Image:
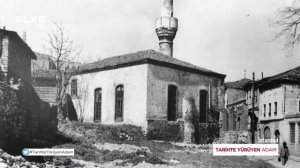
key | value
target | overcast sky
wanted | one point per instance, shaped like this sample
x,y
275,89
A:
x,y
226,36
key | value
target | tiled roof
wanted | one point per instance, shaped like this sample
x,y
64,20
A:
x,y
45,56
44,74
256,83
143,57
47,94
12,35
292,75
237,84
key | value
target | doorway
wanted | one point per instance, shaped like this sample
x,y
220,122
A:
x,y
277,136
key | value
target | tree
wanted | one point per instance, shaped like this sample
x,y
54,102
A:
x,y
288,21
62,49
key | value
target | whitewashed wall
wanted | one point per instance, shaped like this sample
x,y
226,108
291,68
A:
x,y
271,96
134,80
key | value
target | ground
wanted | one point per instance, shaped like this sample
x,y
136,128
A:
x,y
99,145
125,145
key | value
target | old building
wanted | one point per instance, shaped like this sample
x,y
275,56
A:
x,y
279,108
235,101
253,108
44,77
148,88
15,58
235,119
44,74
20,107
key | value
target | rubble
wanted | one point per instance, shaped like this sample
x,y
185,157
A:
x,y
7,160
122,147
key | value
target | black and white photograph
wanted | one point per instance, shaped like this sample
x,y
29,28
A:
x,y
150,83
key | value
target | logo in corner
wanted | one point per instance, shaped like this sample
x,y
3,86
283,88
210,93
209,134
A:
x,y
25,152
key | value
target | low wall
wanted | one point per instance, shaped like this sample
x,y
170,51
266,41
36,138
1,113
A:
x,y
165,130
235,137
208,132
174,131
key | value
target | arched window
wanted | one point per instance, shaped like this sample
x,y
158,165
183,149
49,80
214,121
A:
x,y
267,134
119,103
98,104
277,136
172,102
203,106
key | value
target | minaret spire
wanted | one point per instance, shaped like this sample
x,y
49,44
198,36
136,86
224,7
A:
x,y
166,28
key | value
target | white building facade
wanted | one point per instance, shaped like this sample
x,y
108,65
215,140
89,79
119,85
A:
x,y
279,111
145,89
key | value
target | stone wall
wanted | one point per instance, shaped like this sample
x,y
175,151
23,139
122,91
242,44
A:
x,y
174,131
237,116
165,130
4,59
23,116
19,62
235,137
12,119
208,132
159,78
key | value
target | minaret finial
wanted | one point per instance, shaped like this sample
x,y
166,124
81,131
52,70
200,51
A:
x,y
166,28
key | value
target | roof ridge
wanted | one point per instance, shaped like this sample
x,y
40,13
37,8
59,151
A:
x,y
285,72
144,56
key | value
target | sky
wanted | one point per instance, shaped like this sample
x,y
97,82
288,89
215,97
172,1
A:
x,y
225,36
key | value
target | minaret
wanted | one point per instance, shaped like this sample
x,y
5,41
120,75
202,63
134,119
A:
x,y
166,28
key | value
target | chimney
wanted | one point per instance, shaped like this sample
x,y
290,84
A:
x,y
166,28
4,27
24,36
262,75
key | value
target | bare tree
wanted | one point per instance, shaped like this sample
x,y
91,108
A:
x,y
82,99
62,49
288,21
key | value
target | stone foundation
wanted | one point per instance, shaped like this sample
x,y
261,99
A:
x,y
165,130
208,132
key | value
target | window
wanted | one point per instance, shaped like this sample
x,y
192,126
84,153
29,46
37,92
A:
x,y
227,121
277,135
203,106
234,121
299,106
119,103
98,104
52,65
270,109
275,108
74,87
299,133
172,102
267,134
265,110
292,132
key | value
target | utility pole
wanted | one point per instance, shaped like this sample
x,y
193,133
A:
x,y
253,111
